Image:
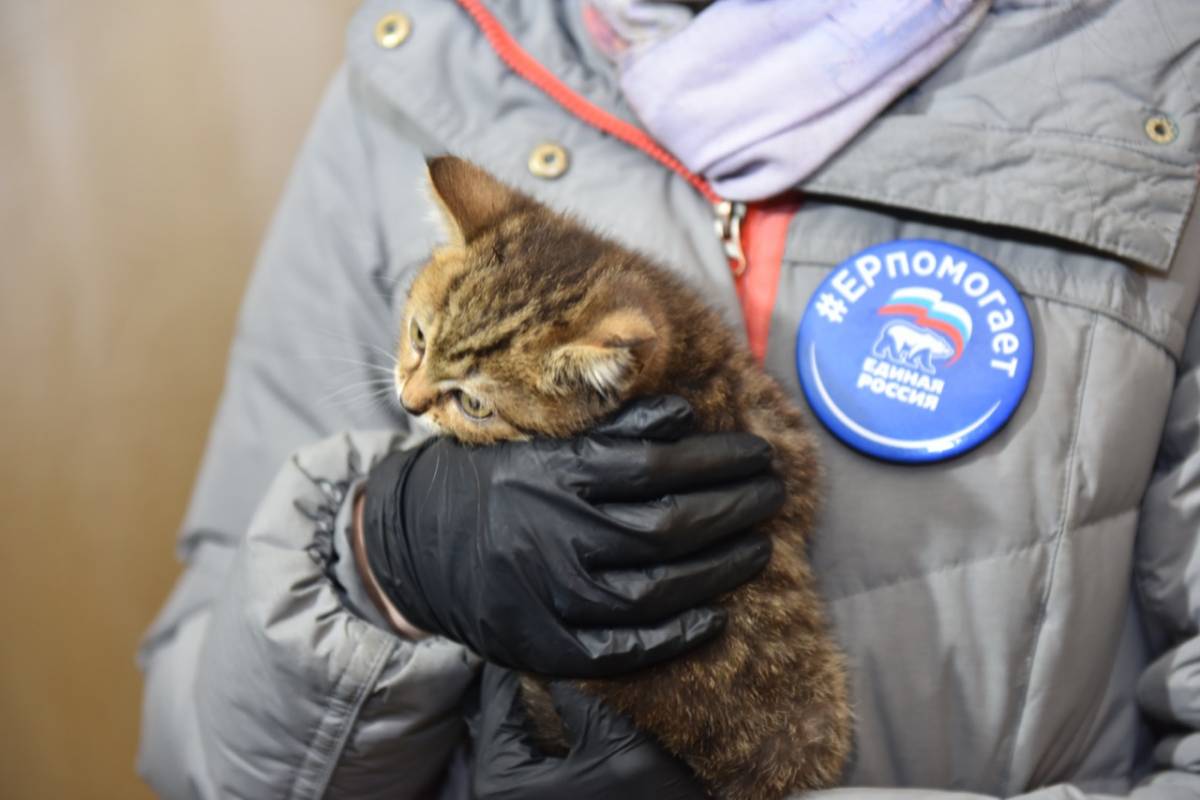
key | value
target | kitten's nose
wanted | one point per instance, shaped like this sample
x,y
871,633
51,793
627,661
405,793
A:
x,y
417,395
415,410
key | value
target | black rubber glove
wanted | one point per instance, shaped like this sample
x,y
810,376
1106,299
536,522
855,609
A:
x,y
608,757
577,558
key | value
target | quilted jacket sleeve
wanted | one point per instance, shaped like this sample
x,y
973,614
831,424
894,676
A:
x,y
1168,578
260,681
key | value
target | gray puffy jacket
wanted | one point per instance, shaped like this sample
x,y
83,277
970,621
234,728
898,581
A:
x,y
1022,619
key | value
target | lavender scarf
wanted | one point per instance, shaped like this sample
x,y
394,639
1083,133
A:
x,y
757,94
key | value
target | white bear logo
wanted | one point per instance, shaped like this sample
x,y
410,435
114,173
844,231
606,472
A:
x,y
902,343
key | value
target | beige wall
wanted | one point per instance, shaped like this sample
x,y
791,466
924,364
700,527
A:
x,y
142,146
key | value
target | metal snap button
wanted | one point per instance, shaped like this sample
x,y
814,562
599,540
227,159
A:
x,y
548,160
392,30
1161,129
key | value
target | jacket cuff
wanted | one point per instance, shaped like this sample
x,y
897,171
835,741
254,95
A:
x,y
297,695
345,571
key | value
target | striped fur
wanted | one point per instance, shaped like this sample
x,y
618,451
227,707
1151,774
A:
x,y
549,327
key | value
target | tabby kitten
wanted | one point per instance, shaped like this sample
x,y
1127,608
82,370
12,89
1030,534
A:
x,y
528,323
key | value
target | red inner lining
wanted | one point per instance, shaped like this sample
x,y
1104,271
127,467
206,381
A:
x,y
764,235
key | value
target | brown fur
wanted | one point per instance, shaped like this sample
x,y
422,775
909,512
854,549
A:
x,y
548,327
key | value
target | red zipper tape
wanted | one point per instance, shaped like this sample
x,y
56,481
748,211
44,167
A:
x,y
528,68
765,228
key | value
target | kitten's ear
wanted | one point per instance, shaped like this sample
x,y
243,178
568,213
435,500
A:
x,y
470,199
606,360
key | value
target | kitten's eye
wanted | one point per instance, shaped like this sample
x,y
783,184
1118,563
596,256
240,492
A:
x,y
416,336
473,407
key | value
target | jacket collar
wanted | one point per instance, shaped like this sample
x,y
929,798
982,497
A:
x,y
1040,167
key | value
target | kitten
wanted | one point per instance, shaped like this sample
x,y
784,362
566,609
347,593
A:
x,y
529,324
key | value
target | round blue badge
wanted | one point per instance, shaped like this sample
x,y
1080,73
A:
x,y
914,350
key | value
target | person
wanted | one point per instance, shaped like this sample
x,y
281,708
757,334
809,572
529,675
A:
x,y
1019,620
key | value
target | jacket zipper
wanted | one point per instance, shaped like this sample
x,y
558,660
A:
x,y
728,226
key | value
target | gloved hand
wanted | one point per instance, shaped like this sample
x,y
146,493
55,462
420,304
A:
x,y
577,558
608,757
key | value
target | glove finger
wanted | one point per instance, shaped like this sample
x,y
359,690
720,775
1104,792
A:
x,y
664,418
501,720
639,765
590,723
607,470
645,595
604,652
507,764
678,525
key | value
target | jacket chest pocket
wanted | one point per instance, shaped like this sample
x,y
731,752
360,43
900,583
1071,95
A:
x,y
1104,342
